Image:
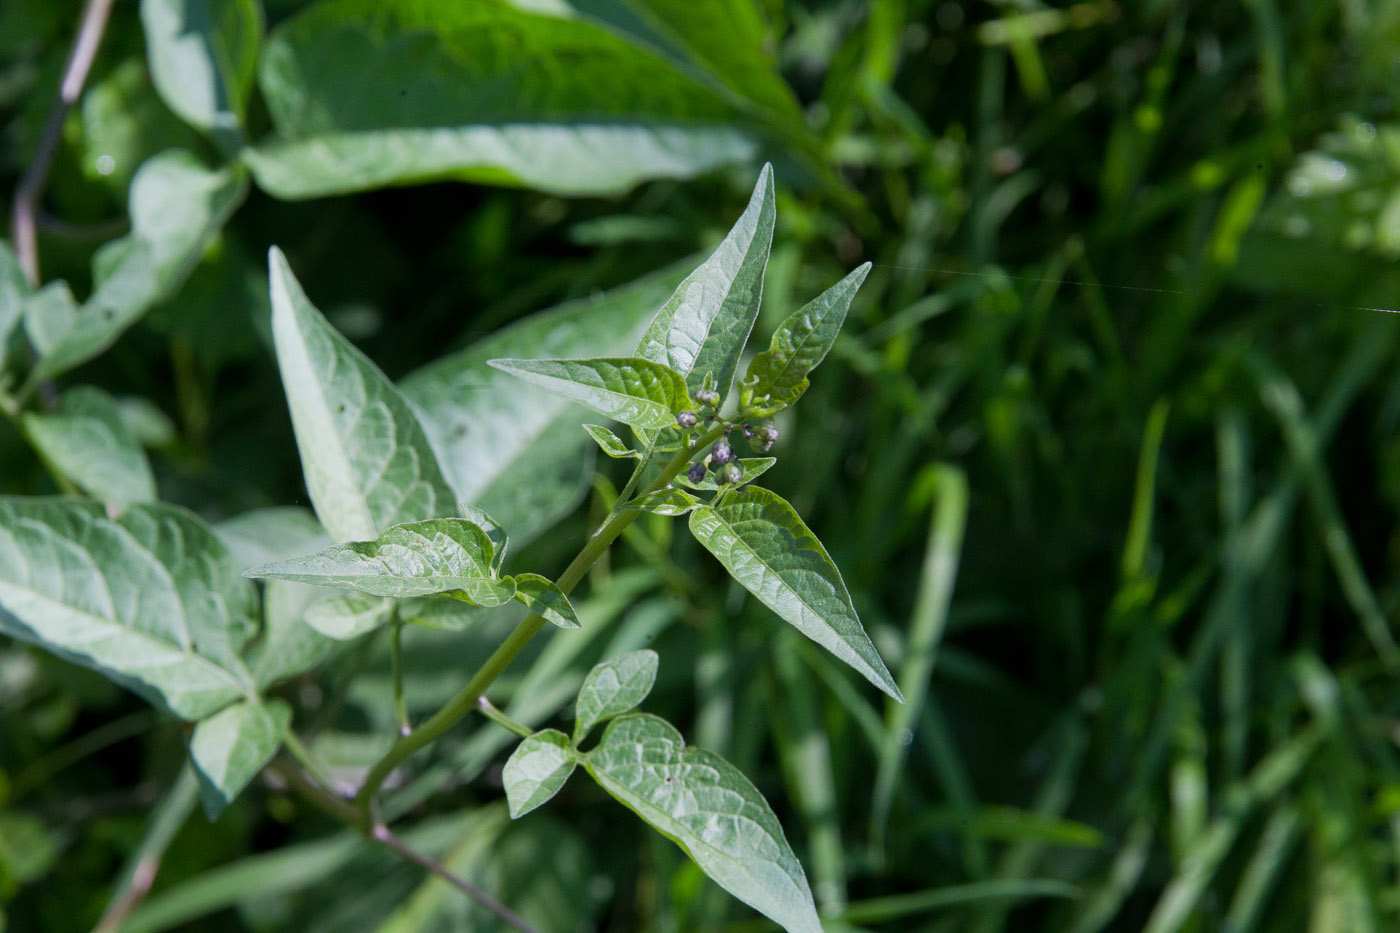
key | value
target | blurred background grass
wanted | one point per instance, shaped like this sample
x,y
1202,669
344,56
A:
x,y
1108,456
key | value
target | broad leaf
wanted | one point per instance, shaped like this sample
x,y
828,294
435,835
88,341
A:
x,y
348,616
671,502
365,94
704,325
367,462
705,805
510,448
777,377
764,545
544,598
288,646
537,770
86,439
203,56
609,443
633,391
177,207
440,555
150,599
232,746
612,688
751,469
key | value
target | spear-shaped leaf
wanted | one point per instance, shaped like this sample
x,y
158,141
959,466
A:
x,y
150,599
440,555
764,544
367,462
612,688
801,342
704,325
634,391
708,808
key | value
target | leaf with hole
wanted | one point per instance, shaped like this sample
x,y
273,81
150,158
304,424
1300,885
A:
x,y
367,462
232,746
440,555
612,688
777,377
631,390
764,544
150,599
537,770
707,807
703,326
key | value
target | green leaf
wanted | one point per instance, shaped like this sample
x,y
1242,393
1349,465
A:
x,y
365,94
367,462
672,502
612,688
288,645
348,616
506,446
150,599
764,545
440,555
203,56
777,377
610,443
707,807
440,612
177,207
704,325
537,770
752,468
14,290
86,439
544,598
495,534
633,391
232,746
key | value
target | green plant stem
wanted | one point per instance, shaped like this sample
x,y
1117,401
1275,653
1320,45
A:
x,y
489,710
302,754
396,663
466,699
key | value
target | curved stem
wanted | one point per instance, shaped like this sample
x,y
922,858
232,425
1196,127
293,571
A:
x,y
489,710
466,699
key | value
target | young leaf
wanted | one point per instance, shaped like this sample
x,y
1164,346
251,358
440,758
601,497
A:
x,y
177,207
544,598
707,806
752,467
368,94
86,439
203,56
509,447
764,545
232,746
704,325
610,443
672,502
801,342
494,533
367,463
537,770
150,599
440,555
348,616
612,688
633,391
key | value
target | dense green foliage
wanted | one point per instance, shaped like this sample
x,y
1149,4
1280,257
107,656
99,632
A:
x,y
1107,451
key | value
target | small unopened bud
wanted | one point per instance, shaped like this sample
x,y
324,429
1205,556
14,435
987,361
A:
x,y
707,397
748,432
687,420
722,452
769,433
696,472
731,474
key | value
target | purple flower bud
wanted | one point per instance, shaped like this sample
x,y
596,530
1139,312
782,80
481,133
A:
x,y
722,452
687,420
696,472
769,432
732,474
707,397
